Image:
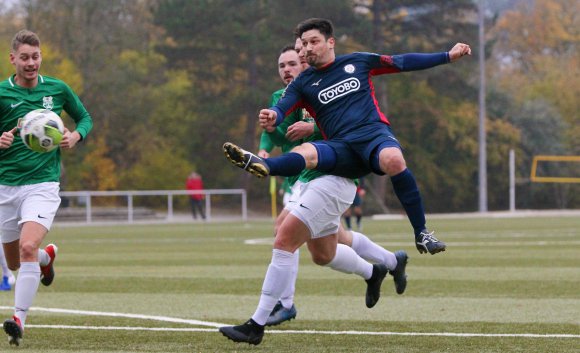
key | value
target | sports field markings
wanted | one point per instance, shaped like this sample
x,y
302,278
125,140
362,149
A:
x,y
216,325
270,240
312,332
130,316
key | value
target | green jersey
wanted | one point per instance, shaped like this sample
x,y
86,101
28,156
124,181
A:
x,y
278,137
269,140
18,164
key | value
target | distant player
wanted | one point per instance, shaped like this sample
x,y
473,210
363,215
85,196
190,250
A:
x,y
338,92
29,181
356,207
8,278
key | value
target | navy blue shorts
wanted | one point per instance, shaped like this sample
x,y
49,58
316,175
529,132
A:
x,y
357,200
354,152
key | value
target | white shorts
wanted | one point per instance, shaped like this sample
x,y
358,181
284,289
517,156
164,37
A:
x,y
294,195
27,203
286,197
321,203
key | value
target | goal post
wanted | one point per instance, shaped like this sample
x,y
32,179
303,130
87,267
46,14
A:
x,y
554,179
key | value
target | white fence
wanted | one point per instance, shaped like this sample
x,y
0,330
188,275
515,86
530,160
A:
x,y
87,197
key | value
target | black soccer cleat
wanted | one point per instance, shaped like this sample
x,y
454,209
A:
x,y
280,314
13,329
246,160
374,284
399,275
426,242
249,332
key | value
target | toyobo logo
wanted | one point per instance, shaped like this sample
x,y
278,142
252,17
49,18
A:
x,y
338,90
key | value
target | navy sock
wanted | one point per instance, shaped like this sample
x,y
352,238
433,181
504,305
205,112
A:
x,y
407,191
288,164
347,221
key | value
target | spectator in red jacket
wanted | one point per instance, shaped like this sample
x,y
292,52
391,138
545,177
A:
x,y
194,183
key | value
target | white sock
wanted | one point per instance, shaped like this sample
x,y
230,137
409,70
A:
x,y
5,269
346,260
43,258
287,297
278,278
370,251
26,288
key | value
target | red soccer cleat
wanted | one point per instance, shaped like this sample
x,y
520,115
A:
x,y
47,272
13,329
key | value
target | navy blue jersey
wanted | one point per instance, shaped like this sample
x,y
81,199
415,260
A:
x,y
341,95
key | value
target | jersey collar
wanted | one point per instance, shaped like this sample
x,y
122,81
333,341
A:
x,y
10,80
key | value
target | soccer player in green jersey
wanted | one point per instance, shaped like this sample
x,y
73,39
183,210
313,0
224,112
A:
x,y
300,123
287,135
29,181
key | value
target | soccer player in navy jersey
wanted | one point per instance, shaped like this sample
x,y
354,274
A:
x,y
292,132
339,94
312,216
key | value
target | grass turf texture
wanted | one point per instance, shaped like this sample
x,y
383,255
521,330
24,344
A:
x,y
498,276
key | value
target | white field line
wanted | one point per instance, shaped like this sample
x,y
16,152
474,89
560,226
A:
x,y
123,328
270,240
215,325
313,332
130,316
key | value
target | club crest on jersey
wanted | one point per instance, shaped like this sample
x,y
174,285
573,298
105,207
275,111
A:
x,y
47,103
349,69
338,90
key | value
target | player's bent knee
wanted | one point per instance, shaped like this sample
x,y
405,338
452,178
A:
x,y
322,258
28,250
392,163
308,151
284,244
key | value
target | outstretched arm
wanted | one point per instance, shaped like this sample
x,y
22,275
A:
x,y
416,61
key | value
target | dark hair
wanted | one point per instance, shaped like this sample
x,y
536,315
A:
x,y
287,47
323,25
25,37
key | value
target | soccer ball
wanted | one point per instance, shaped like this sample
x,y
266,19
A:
x,y
41,130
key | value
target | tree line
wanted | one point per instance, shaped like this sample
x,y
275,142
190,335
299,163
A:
x,y
168,81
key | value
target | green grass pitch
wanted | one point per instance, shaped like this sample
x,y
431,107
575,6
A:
x,y
503,285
